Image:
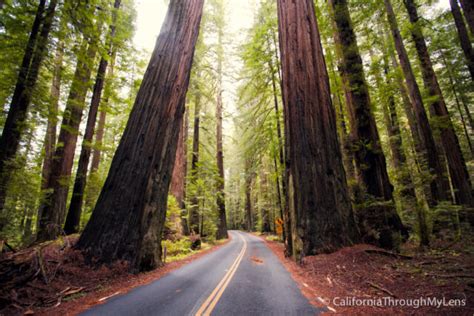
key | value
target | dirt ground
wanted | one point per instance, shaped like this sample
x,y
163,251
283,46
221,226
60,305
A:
x,y
52,279
366,275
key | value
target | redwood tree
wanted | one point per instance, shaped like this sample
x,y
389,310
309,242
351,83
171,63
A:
x,y
75,207
368,154
194,201
36,49
457,166
178,178
463,36
427,145
53,209
323,220
129,216
468,9
222,222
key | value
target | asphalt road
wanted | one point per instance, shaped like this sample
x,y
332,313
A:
x,y
243,277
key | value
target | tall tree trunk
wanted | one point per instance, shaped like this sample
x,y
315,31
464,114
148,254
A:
x,y
369,158
323,218
222,223
468,9
347,154
459,99
178,179
438,188
457,166
281,157
100,129
54,204
32,59
368,154
194,207
463,36
458,106
248,197
51,127
282,194
73,218
50,135
396,145
220,194
136,190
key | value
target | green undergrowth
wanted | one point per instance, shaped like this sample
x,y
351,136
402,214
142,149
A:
x,y
181,249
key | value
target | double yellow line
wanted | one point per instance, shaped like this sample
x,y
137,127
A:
x,y
208,306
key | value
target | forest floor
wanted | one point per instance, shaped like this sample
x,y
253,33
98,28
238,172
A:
x,y
353,274
53,279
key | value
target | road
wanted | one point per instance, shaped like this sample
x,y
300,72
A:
x,y
243,277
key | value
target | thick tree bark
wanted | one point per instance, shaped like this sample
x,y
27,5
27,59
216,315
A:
x,y
468,9
369,158
368,155
463,36
319,197
178,179
51,127
439,190
50,136
32,59
73,218
53,209
194,207
457,166
129,216
347,154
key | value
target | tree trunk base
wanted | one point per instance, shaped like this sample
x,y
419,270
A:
x,y
379,227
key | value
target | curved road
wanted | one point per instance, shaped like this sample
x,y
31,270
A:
x,y
243,277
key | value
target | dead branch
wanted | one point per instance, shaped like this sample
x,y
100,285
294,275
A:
x,y
378,287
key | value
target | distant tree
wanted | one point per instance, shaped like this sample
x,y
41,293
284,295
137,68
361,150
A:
x,y
439,188
457,166
463,35
73,217
34,53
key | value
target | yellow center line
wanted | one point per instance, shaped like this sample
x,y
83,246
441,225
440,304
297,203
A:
x,y
207,307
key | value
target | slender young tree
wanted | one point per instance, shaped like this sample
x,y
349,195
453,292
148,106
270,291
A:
x,y
75,207
439,190
35,51
457,166
100,128
128,219
463,36
323,220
